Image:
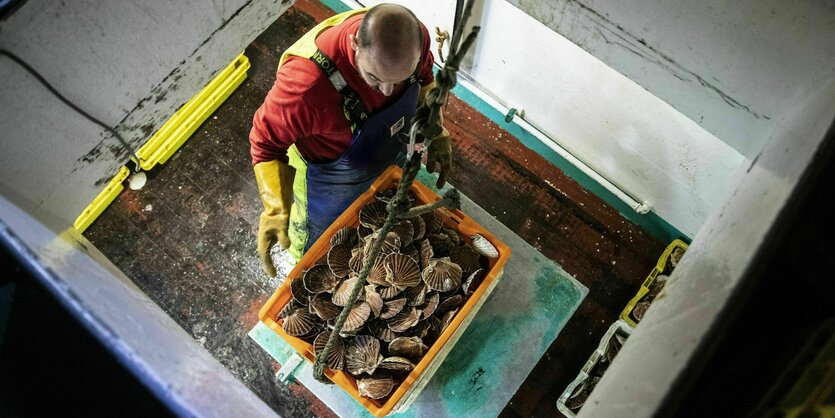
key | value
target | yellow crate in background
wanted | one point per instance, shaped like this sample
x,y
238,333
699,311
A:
x,y
626,314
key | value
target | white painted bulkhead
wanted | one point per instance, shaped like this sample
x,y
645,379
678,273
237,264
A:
x,y
638,142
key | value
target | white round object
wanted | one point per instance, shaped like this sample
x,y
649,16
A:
x,y
137,180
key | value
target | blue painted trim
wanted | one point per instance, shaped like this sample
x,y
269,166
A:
x,y
651,222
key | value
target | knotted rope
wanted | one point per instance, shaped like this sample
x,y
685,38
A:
x,y
426,124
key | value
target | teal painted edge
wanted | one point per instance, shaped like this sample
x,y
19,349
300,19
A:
x,y
336,5
651,222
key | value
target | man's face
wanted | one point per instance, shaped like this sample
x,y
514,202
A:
x,y
381,74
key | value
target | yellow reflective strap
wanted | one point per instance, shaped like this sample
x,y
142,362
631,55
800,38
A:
x,y
298,214
305,47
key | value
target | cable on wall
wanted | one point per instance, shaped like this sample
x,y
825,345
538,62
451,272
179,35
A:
x,y
72,105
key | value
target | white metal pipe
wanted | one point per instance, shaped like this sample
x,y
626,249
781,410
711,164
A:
x,y
641,207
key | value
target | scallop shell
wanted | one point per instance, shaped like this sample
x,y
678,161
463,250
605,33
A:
x,y
291,306
453,236
390,245
466,258
336,357
396,364
319,279
419,227
377,274
402,271
442,275
484,247
362,355
388,292
343,236
323,307
373,215
612,350
357,317
416,295
434,330
363,233
446,319
375,387
449,304
433,222
404,320
410,347
440,244
385,196
430,305
392,308
374,301
420,330
299,291
426,254
339,259
299,323
412,252
357,259
578,396
379,328
640,309
675,257
405,231
343,291
657,286
471,283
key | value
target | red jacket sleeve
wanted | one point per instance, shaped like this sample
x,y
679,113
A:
x,y
284,117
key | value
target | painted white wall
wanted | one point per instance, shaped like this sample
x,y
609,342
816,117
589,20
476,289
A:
x,y
132,65
728,65
695,302
631,137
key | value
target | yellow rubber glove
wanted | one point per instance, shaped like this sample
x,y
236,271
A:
x,y
275,183
440,154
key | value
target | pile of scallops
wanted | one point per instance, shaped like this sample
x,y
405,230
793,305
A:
x,y
422,277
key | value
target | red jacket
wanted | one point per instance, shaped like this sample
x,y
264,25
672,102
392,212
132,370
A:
x,y
305,109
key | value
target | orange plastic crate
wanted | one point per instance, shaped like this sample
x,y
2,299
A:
x,y
419,376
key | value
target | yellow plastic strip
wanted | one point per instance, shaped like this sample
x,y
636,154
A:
x,y
172,135
179,128
658,269
100,203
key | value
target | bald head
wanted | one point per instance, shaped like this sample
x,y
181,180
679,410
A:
x,y
388,45
391,28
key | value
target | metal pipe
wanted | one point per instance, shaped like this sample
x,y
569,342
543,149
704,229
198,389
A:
x,y
641,207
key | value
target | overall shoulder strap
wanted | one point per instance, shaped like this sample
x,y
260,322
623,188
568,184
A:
x,y
352,105
305,46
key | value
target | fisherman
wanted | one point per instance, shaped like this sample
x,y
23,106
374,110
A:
x,y
334,120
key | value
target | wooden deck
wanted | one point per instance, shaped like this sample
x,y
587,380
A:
x,y
188,238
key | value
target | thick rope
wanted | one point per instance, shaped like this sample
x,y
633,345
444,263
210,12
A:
x,y
427,120
394,208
